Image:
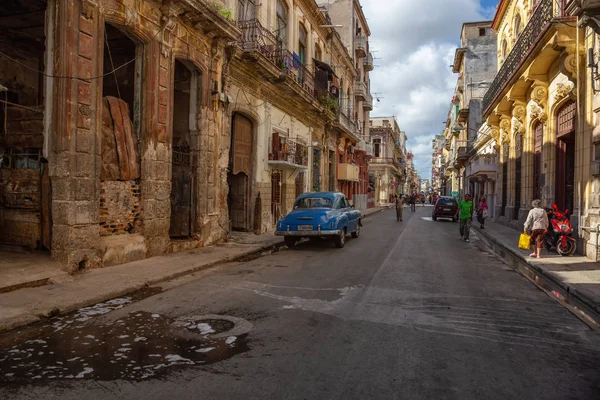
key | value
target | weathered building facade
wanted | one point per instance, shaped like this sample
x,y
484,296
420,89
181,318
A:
x,y
388,165
475,64
123,126
532,110
132,129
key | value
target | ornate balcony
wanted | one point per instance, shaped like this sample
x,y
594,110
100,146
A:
x,y
360,46
261,46
348,172
369,62
360,90
578,7
286,152
368,103
462,155
536,27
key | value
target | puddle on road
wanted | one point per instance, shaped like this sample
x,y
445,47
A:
x,y
138,346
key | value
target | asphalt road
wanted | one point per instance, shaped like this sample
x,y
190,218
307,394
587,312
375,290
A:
x,y
406,311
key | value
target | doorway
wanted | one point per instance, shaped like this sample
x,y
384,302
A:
x,y
504,178
183,187
239,173
518,166
332,171
565,157
537,160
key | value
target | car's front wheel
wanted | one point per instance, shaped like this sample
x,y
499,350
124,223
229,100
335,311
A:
x,y
340,241
290,241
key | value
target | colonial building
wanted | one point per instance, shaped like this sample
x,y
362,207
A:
x,y
475,64
132,129
115,127
531,108
437,145
388,163
356,101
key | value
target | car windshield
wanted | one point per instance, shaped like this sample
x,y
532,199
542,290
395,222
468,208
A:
x,y
445,202
313,202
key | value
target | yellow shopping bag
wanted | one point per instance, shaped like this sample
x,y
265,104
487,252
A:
x,y
524,240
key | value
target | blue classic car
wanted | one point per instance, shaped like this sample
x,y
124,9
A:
x,y
323,215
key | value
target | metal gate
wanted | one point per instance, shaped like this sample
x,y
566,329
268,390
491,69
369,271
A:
x,y
181,192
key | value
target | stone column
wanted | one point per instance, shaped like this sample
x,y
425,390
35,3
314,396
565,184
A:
x,y
73,135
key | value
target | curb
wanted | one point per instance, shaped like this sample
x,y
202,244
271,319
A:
x,y
30,318
25,319
567,295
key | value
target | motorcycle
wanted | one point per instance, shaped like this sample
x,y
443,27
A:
x,y
559,232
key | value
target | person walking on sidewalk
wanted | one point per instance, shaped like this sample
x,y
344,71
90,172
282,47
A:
x,y
482,211
465,209
399,205
411,201
537,221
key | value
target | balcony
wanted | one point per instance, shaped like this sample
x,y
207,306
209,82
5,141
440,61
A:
x,y
261,46
348,172
578,7
368,103
360,46
284,152
345,125
297,75
536,27
360,90
462,155
369,66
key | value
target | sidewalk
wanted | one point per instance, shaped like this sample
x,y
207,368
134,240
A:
x,y
65,293
575,280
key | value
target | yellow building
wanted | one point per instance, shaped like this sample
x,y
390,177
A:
x,y
531,108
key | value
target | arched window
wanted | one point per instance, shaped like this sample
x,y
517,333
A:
x,y
281,24
349,104
302,37
341,91
518,27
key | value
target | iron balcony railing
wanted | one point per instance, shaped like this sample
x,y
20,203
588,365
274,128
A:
x,y
287,150
298,72
535,28
257,38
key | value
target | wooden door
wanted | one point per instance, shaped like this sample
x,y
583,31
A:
x,y
241,165
565,156
181,193
537,160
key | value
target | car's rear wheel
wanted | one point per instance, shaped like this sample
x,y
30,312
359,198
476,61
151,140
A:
x,y
290,241
356,233
454,219
340,241
434,217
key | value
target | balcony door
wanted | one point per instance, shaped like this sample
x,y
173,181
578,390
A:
x,y
281,24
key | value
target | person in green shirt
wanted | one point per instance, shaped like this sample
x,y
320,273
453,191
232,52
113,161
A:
x,y
465,210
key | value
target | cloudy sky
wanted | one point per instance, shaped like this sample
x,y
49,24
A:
x,y
414,43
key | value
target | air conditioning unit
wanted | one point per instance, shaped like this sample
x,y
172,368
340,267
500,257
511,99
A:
x,y
351,149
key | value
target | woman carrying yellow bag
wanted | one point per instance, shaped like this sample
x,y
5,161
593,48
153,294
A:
x,y
537,221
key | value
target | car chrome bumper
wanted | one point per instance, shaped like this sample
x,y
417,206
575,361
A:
x,y
336,232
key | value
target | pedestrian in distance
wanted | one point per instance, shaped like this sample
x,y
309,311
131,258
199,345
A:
x,y
537,222
465,210
399,205
482,210
411,201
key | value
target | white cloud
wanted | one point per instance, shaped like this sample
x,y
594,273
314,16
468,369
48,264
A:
x,y
414,41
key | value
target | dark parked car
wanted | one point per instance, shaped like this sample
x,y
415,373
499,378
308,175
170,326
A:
x,y
445,207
